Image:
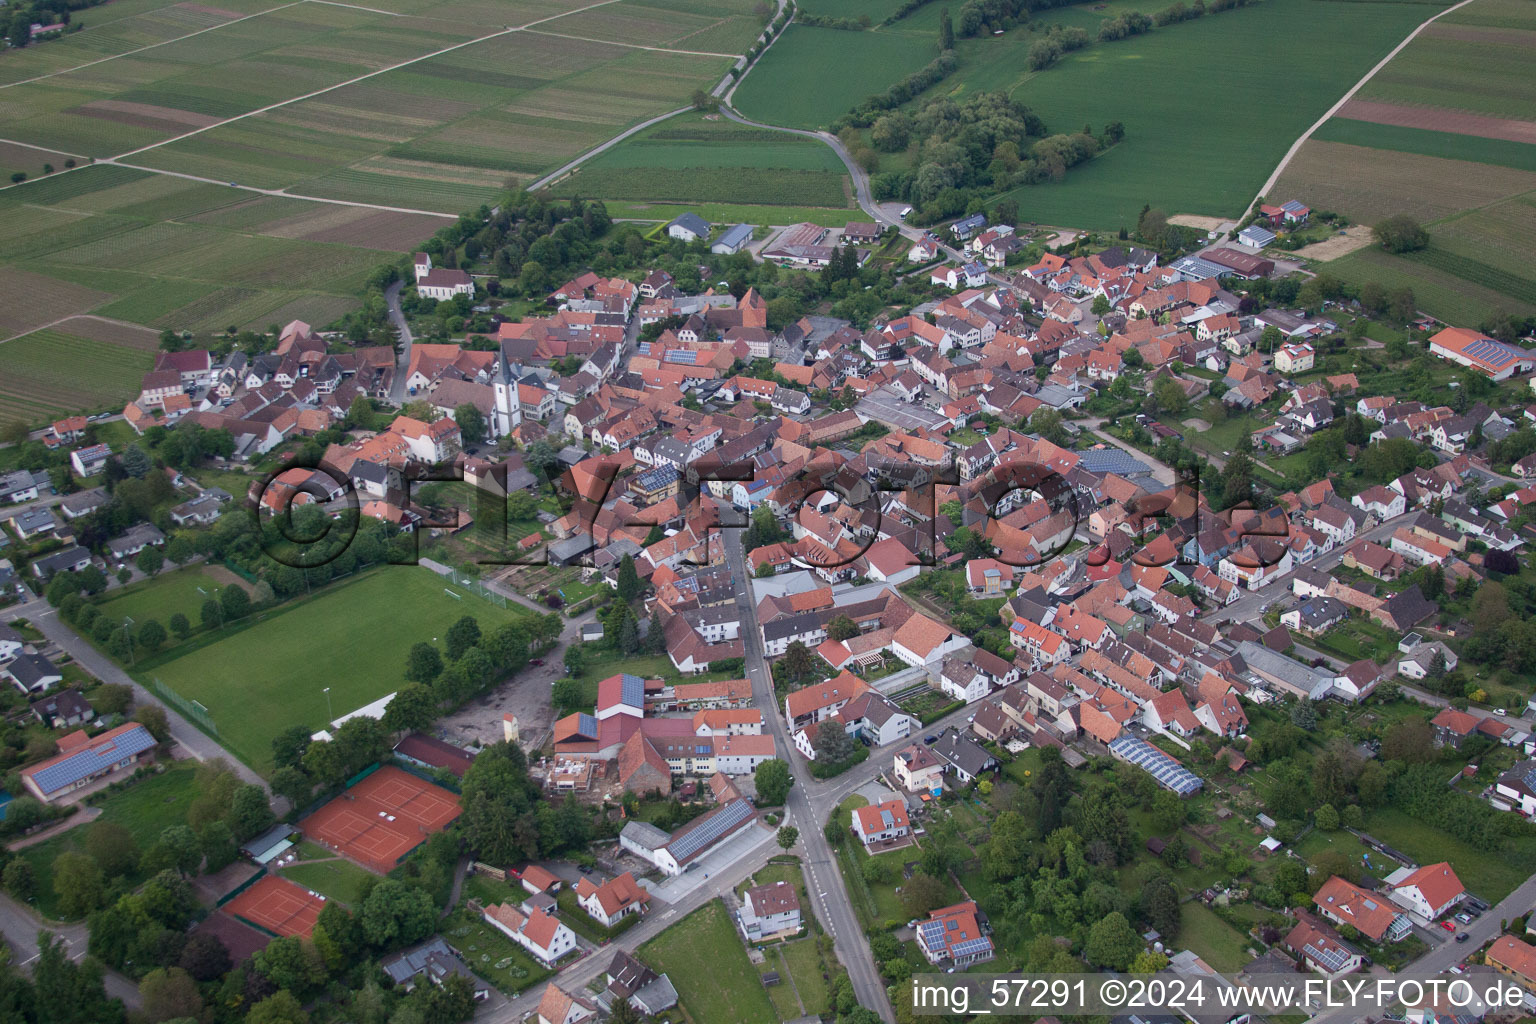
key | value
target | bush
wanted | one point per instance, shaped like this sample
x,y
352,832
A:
x,y
1400,234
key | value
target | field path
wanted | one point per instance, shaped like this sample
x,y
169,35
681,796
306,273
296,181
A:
x,y
629,46
163,42
556,175
81,316
1296,146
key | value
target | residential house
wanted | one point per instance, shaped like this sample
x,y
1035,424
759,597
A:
x,y
877,823
614,900
954,936
1430,891
1343,902
536,930
770,910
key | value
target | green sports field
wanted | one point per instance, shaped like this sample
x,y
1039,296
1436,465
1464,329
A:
x,y
352,637
690,159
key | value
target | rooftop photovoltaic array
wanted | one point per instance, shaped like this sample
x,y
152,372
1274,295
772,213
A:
x,y
711,829
1167,772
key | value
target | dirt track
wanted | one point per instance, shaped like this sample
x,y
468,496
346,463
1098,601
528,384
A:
x,y
1439,119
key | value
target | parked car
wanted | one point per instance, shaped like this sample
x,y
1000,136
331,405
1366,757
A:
x,y
1462,936
535,661
1448,926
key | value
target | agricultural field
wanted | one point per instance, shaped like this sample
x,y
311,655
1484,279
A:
x,y
812,76
1174,156
423,106
52,372
270,674
1432,138
691,158
106,257
732,213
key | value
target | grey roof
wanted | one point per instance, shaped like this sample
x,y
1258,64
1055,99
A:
x,y
693,222
656,996
644,834
1111,460
93,760
34,519
273,836
1273,663
963,753
435,958
1197,269
65,558
1057,396
735,236
142,535
20,480
31,669
84,501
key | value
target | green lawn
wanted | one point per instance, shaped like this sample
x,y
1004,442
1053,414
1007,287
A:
x,y
337,878
146,809
728,213
349,637
729,990
582,923
1488,876
1217,943
165,595
805,963
490,954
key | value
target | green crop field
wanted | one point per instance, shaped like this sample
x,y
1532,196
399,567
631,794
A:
x,y
690,159
1174,157
1447,145
270,675
812,76
730,989
1475,195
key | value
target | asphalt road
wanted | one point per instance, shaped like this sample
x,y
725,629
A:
x,y
403,345
808,815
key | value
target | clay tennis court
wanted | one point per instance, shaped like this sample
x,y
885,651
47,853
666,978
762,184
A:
x,y
279,906
382,818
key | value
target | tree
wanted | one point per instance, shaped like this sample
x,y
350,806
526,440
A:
x,y
462,635
19,879
423,664
411,708
946,31
78,882
629,585
135,463
787,836
152,636
832,744
113,848
1112,942
150,561
180,842
842,628
180,626
1400,234
249,812
280,1008
471,422
217,844
1409,740
289,745
922,893
1148,962
773,782
152,717
235,602
211,614
67,992
169,994
396,914
112,698
1327,818
205,957
833,831
1101,305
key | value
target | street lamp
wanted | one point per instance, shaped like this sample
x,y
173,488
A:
x,y
328,715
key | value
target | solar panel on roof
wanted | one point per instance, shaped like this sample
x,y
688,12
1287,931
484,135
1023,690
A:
x,y
632,690
93,760
586,725
970,946
717,825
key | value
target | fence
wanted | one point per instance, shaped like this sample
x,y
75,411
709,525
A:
x,y
468,582
189,709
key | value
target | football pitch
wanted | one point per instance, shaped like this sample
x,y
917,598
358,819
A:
x,y
352,637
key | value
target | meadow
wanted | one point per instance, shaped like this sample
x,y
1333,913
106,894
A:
x,y
730,989
693,159
271,674
180,591
1476,195
145,809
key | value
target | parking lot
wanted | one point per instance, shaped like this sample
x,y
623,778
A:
x,y
885,407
